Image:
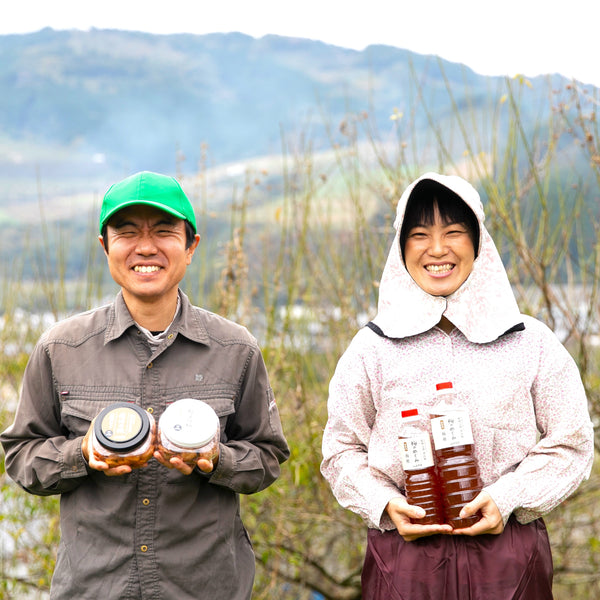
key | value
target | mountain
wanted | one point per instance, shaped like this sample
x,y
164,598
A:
x,y
134,100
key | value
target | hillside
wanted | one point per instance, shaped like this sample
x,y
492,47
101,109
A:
x,y
133,100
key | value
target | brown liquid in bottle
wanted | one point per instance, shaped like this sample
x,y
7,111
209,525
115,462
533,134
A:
x,y
421,484
459,479
457,469
422,490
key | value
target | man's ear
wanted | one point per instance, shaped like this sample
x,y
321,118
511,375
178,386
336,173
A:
x,y
192,248
101,240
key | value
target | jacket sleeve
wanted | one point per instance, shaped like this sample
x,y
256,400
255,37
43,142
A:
x,y
562,458
355,484
249,460
41,456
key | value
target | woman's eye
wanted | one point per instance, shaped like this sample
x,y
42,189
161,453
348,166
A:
x,y
457,231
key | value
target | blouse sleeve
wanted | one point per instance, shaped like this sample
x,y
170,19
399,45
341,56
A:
x,y
351,414
562,458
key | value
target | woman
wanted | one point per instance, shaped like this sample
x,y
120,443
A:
x,y
447,313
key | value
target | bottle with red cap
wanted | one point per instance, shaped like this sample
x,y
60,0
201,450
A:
x,y
454,451
421,481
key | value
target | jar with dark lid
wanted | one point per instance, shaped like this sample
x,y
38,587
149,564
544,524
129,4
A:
x,y
124,434
190,430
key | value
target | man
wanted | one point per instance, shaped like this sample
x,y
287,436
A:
x,y
163,533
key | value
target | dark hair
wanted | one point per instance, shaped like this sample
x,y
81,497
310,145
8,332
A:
x,y
190,235
420,210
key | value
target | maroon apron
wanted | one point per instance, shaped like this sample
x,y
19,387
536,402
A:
x,y
515,565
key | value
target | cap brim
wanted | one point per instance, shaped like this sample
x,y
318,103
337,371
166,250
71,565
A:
x,y
128,203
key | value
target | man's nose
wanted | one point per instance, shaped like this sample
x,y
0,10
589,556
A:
x,y
146,244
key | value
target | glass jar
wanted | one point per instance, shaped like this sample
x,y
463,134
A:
x,y
124,434
190,430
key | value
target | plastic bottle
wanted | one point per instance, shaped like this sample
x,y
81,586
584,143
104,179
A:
x,y
421,481
456,462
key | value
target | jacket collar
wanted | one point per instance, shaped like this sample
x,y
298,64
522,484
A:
x,y
188,322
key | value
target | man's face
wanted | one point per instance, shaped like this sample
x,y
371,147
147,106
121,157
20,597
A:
x,y
147,253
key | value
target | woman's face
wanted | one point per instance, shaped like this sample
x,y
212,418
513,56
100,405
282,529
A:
x,y
439,257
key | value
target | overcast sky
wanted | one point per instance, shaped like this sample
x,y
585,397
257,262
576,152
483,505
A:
x,y
529,37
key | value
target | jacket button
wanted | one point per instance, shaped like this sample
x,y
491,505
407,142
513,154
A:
x,y
150,365
150,409
144,548
145,502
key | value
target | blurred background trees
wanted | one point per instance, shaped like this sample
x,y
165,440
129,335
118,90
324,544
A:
x,y
301,249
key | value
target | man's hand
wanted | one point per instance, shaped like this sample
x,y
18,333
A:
x,y
206,466
401,513
98,465
491,519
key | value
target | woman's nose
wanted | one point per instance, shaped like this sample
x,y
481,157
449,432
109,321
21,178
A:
x,y
437,246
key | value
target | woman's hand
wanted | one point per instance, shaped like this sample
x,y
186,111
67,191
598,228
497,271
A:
x,y
401,513
491,519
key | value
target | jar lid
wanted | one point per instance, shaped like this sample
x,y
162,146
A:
x,y
189,423
122,426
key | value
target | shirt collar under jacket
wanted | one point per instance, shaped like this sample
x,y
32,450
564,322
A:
x,y
483,308
155,339
187,321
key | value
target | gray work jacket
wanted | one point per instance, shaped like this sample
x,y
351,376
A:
x,y
153,533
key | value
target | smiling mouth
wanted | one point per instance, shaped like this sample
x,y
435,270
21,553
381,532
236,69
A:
x,y
439,268
146,269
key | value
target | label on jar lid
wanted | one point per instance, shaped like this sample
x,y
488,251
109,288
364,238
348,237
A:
x,y
122,426
189,423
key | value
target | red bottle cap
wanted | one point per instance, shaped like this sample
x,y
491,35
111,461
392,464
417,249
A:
x,y
413,412
447,385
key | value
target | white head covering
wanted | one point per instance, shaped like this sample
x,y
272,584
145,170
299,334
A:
x,y
483,307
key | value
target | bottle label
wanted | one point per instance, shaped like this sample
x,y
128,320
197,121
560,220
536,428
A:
x,y
416,453
452,429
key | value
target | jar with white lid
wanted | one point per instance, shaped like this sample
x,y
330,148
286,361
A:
x,y
124,434
190,430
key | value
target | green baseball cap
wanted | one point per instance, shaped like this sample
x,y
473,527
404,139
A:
x,y
152,189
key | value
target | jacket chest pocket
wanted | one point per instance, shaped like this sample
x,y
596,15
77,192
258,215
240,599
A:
x,y
78,407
